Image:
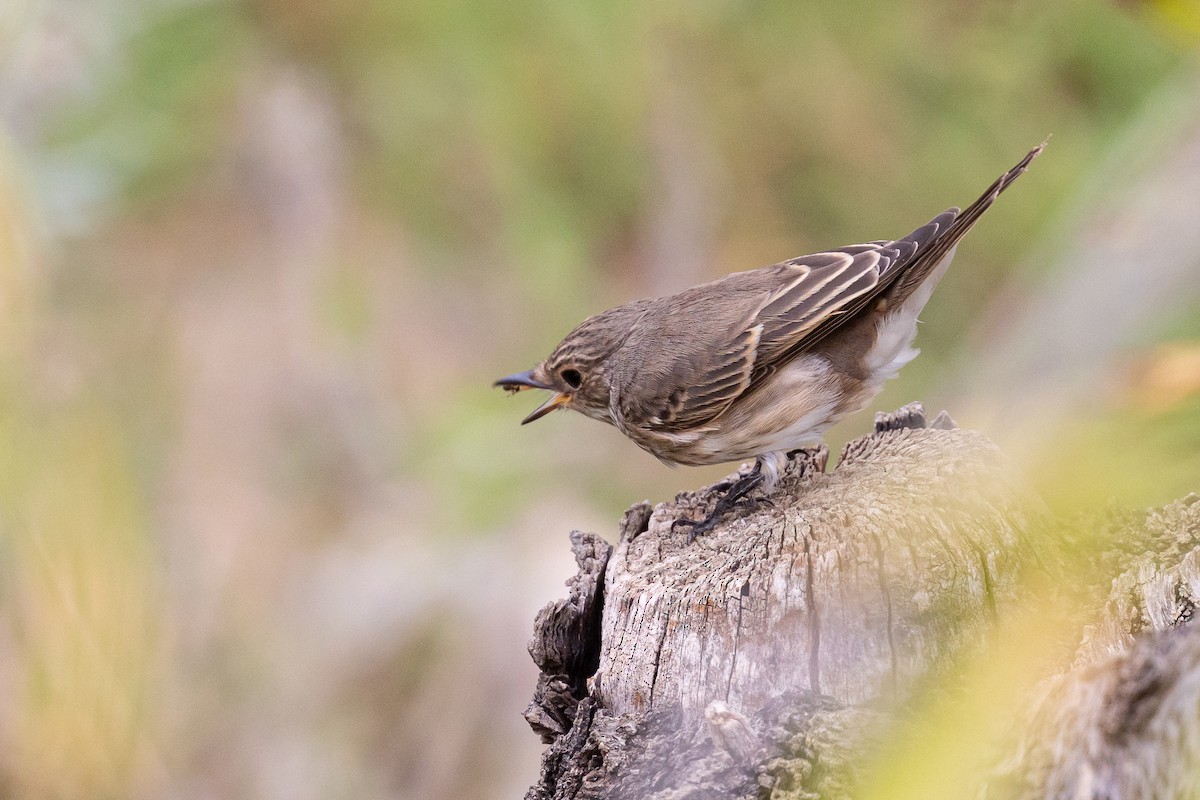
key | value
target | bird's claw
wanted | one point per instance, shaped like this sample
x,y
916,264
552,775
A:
x,y
753,503
697,527
735,492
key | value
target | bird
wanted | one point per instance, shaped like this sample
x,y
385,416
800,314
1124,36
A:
x,y
757,364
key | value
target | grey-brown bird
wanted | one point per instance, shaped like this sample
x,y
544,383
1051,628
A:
x,y
756,364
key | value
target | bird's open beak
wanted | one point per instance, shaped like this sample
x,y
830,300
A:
x,y
525,380
546,407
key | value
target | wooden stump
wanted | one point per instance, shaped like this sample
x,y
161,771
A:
x,y
764,656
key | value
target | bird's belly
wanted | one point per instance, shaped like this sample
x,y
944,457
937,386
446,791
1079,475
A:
x,y
737,443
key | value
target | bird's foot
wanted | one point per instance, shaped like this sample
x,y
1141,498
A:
x,y
735,491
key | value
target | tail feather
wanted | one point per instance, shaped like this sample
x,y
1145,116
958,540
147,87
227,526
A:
x,y
917,256
928,257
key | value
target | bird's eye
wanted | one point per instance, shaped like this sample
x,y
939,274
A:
x,y
572,377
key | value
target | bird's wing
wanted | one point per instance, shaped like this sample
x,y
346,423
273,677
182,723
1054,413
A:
x,y
786,303
817,288
803,316
829,288
703,387
793,306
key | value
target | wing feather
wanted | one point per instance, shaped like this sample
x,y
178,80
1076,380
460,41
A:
x,y
818,295
716,387
811,289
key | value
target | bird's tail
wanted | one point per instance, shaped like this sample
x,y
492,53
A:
x,y
947,228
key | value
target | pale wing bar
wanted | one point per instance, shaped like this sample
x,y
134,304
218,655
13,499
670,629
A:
x,y
818,295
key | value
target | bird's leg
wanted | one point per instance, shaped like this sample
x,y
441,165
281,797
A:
x,y
734,492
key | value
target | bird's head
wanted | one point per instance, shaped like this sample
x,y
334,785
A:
x,y
578,370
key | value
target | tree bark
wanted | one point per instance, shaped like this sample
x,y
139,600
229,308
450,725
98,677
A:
x,y
767,657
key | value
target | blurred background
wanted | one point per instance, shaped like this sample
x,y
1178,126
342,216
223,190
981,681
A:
x,y
265,530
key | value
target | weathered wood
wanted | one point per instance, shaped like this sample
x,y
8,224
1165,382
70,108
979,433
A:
x,y
566,641
849,584
1124,721
763,659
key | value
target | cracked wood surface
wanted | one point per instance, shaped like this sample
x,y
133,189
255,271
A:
x,y
767,658
850,584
